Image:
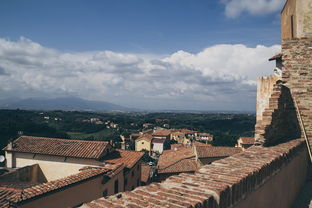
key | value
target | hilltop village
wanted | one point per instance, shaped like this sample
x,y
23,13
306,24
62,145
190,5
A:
x,y
178,167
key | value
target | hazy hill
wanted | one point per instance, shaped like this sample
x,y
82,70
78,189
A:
x,y
66,103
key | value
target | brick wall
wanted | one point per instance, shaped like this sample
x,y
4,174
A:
x,y
297,75
229,182
279,120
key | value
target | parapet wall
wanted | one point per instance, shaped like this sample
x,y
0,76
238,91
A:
x,y
264,92
29,173
246,179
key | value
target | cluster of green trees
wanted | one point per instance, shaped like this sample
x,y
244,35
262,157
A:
x,y
226,128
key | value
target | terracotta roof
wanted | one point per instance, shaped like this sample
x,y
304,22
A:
x,y
204,134
145,136
247,140
186,131
60,147
196,143
5,195
277,56
171,159
176,146
181,166
210,151
224,183
165,132
145,173
34,191
136,135
128,157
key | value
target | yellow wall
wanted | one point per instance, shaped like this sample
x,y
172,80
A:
x,y
289,10
143,143
53,167
77,194
301,10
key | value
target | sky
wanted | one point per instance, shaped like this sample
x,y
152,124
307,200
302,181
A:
x,y
147,54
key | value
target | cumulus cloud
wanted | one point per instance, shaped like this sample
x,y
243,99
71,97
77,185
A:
x,y
233,8
218,77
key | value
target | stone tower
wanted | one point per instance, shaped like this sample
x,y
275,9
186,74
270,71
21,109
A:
x,y
284,107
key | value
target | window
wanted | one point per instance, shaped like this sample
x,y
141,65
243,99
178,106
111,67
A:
x,y
126,181
116,187
105,193
138,182
132,174
138,168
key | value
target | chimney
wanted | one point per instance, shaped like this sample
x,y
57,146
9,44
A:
x,y
10,145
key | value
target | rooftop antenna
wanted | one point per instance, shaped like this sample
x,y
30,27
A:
x,y
20,133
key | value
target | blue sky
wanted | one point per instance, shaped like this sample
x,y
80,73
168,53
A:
x,y
169,43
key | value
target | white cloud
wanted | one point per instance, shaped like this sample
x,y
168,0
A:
x,y
218,77
233,8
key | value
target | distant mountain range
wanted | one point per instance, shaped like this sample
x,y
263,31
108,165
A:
x,y
66,103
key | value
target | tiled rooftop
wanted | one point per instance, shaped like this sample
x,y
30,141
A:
x,y
171,159
276,56
196,143
59,147
221,184
247,140
145,137
127,157
211,151
38,190
5,195
181,166
165,132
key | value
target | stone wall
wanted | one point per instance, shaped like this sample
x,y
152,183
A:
x,y
297,75
230,182
264,91
279,120
296,19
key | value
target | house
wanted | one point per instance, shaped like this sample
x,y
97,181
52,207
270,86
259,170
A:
x,y
132,162
162,134
207,154
144,142
173,162
147,125
159,145
245,142
29,189
61,163
188,133
206,137
179,137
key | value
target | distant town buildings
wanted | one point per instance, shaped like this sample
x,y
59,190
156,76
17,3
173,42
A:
x,y
245,142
